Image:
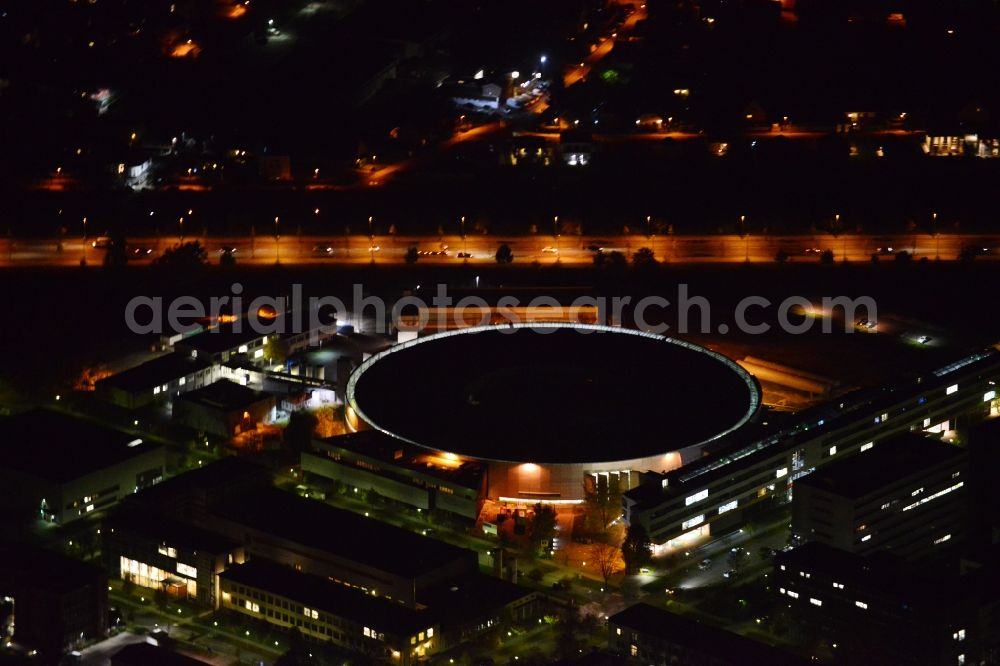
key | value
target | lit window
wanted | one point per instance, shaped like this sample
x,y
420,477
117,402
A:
x,y
315,615
946,537
861,604
959,635
951,389
690,522
697,497
839,586
187,570
156,390
793,595
989,395
782,567
259,353
934,496
866,538
865,447
249,606
182,381
815,602
917,491
886,505
885,417
430,633
368,633
781,472
961,659
308,613
833,450
634,650
618,630
242,349
728,506
420,636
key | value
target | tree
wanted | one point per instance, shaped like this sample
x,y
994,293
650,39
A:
x,y
298,433
185,257
504,254
644,258
636,548
826,257
610,260
605,556
543,526
602,501
275,350
411,255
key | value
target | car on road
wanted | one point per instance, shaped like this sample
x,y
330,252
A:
x,y
374,248
548,249
433,253
322,251
866,325
465,255
729,573
101,243
139,251
229,249
705,564
924,339
884,250
813,250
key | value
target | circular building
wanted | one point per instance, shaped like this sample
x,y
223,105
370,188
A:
x,y
546,405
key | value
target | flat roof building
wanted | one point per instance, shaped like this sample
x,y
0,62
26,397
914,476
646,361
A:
x,y
649,635
383,629
352,549
906,495
64,467
156,381
412,475
223,408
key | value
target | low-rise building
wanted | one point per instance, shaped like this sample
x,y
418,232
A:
x,y
49,601
370,460
63,467
164,554
453,613
156,381
905,495
649,635
360,552
223,408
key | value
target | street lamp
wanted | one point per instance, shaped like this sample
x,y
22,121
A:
x,y
180,228
465,253
555,232
277,244
746,238
371,239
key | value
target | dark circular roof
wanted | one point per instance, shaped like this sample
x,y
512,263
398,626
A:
x,y
552,393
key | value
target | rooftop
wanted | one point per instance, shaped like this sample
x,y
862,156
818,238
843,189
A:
x,y
726,646
463,599
219,339
223,395
156,372
166,530
325,595
890,461
46,569
553,393
315,524
374,444
59,447
147,654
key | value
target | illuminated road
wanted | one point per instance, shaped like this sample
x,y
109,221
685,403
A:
x,y
543,249
603,47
